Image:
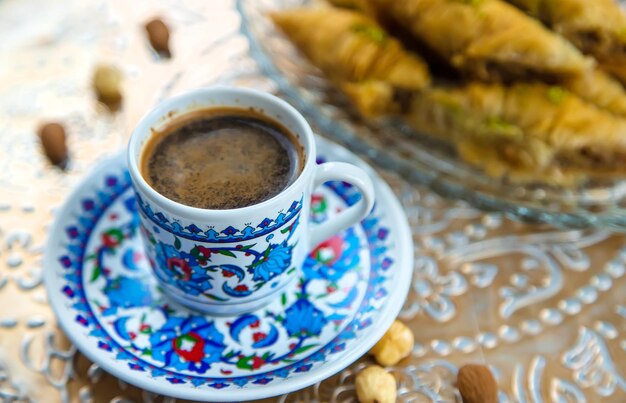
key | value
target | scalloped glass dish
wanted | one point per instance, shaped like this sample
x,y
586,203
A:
x,y
421,159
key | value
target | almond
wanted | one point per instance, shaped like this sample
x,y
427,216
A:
x,y
477,384
52,136
159,36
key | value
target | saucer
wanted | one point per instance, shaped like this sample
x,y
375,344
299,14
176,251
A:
x,y
100,286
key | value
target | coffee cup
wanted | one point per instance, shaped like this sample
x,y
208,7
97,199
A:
x,y
235,260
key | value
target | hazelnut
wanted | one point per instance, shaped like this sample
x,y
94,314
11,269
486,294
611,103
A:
x,y
159,36
52,137
375,385
107,81
395,345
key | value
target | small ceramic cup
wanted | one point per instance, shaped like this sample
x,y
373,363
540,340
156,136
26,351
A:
x,y
227,262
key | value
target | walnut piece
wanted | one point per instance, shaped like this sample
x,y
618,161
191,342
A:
x,y
395,345
375,385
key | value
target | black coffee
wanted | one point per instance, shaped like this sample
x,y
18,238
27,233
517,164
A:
x,y
222,159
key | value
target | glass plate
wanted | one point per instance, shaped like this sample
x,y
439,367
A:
x,y
416,157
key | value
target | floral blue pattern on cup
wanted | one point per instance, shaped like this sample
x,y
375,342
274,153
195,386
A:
x,y
236,265
228,234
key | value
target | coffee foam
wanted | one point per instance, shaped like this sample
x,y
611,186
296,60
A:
x,y
222,160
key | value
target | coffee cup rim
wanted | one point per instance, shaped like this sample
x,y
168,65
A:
x,y
161,112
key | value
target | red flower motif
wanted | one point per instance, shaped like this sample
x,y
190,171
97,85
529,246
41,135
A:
x,y
109,241
227,273
316,199
255,324
258,336
257,362
182,343
179,265
328,252
241,288
204,251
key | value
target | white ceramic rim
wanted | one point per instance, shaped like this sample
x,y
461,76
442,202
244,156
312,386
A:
x,y
159,115
388,313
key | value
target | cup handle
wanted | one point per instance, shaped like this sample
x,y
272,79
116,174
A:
x,y
340,171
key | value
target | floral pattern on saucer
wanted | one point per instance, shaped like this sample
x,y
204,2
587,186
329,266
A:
x,y
109,289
